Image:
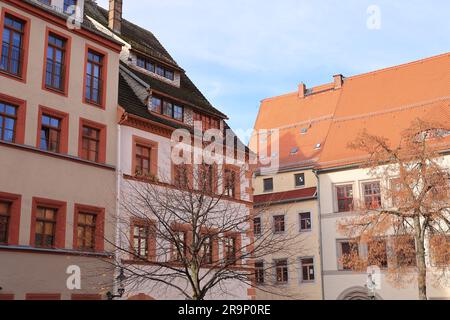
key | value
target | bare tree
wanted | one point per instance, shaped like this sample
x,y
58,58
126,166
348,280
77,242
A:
x,y
415,213
197,236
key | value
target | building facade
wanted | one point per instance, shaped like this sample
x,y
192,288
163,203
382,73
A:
x,y
156,98
58,107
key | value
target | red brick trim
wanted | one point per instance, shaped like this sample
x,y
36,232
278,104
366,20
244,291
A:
x,y
21,116
6,297
103,137
43,296
60,233
104,76
67,55
99,225
14,221
26,42
64,138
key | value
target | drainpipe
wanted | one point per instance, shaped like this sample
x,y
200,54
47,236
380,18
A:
x,y
320,235
118,199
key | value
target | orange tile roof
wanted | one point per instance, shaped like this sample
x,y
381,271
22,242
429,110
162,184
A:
x,y
384,102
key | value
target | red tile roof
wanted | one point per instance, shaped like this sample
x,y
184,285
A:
x,y
294,195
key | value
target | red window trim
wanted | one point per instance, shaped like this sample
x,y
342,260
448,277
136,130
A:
x,y
60,233
187,229
14,219
237,246
99,244
153,145
26,42
6,297
43,296
64,138
237,182
67,54
85,297
103,137
102,105
21,116
151,241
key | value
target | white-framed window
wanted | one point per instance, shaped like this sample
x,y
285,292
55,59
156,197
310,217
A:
x,y
281,271
279,223
299,180
307,269
305,221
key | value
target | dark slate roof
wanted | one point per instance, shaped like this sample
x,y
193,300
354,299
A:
x,y
133,105
140,39
88,25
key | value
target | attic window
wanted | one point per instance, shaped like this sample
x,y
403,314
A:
x,y
304,131
294,150
318,146
153,67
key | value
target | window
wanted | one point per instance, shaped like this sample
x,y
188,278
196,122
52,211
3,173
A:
x,y
140,241
8,120
259,272
308,270
143,159
230,183
305,221
208,250
50,133
405,251
181,176
45,227
348,251
167,108
396,189
55,66
94,78
179,247
278,224
9,218
90,144
300,180
268,184
230,250
69,6
345,198
281,271
207,178
5,214
257,226
13,41
377,253
88,228
86,231
146,63
372,195
440,250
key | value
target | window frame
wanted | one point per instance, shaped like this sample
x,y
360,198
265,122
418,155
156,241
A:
x,y
307,265
15,202
339,243
275,223
21,110
300,218
284,271
236,183
63,131
67,58
260,226
151,238
102,139
26,40
160,111
60,225
99,234
345,198
153,146
304,180
372,196
103,75
260,273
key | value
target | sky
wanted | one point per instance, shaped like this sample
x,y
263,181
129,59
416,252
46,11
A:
x,y
239,52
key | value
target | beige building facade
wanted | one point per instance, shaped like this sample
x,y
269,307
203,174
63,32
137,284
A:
x,y
58,154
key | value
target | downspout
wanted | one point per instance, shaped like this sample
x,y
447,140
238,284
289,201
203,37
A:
x,y
320,235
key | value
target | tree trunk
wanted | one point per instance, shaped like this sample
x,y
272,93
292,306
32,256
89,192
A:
x,y
420,257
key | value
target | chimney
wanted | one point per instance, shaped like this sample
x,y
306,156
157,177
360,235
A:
x,y
338,81
301,90
115,15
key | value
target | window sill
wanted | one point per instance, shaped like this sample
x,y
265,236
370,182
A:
x,y
62,93
93,104
305,231
30,249
12,76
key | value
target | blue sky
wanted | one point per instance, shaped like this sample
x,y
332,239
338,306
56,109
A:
x,y
239,52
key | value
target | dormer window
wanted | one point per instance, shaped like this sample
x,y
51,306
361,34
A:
x,y
69,6
167,108
153,67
